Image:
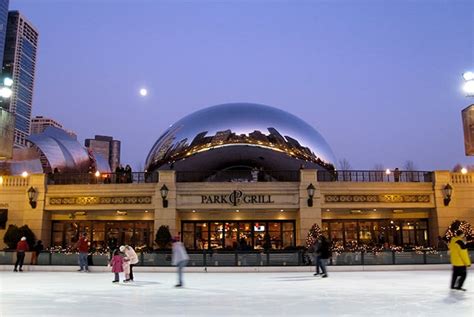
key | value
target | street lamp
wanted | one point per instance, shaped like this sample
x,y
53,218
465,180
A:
x,y
32,196
164,193
5,90
468,83
310,189
447,192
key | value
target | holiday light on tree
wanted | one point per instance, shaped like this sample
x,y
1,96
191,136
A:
x,y
313,235
462,225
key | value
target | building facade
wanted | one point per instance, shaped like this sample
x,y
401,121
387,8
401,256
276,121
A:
x,y
19,63
106,147
219,215
40,123
239,177
3,26
468,128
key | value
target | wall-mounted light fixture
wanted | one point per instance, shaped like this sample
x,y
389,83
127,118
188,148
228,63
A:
x,y
310,189
447,193
164,193
32,196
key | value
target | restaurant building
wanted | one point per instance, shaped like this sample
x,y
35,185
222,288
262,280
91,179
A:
x,y
239,176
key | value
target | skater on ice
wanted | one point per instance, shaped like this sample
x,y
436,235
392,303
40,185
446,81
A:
x,y
459,259
179,258
132,258
117,264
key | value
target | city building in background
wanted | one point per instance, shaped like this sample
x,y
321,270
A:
x,y
107,147
3,26
468,125
7,128
40,123
19,63
231,177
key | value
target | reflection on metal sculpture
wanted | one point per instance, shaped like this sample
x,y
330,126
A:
x,y
241,124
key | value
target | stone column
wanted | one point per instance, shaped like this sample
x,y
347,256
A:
x,y
37,219
308,215
166,216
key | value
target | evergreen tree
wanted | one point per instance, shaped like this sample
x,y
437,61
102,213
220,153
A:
x,y
313,235
459,225
12,236
163,237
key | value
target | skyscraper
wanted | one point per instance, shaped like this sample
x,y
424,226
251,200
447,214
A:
x,y
40,123
19,63
107,147
3,26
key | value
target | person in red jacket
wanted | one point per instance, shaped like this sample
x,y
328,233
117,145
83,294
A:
x,y
83,247
21,248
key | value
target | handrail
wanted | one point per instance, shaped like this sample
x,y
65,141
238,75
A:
x,y
376,176
237,176
102,178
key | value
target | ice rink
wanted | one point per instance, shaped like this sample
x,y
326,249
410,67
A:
x,y
399,293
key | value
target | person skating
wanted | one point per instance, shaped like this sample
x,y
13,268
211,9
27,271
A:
x,y
83,247
21,248
322,255
117,265
37,250
459,259
131,257
179,258
315,247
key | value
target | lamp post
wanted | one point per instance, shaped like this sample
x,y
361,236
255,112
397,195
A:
x,y
5,88
447,192
164,193
32,196
310,189
468,83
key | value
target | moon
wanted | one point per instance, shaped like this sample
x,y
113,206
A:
x,y
143,92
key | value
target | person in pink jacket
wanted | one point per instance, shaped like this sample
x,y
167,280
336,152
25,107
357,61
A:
x,y
117,265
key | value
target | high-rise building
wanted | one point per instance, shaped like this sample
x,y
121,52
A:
x,y
40,123
468,125
3,26
107,147
19,63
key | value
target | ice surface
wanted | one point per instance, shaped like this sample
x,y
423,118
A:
x,y
369,294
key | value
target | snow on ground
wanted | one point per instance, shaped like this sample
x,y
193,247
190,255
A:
x,y
398,293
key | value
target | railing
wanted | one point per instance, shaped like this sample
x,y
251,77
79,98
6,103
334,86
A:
x,y
14,181
249,258
238,176
459,178
375,176
103,178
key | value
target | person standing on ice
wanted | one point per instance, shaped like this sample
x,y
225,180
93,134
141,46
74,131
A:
x,y
179,258
317,262
117,265
83,247
21,248
322,255
459,259
131,257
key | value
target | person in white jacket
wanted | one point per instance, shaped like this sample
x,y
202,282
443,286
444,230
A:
x,y
179,258
131,257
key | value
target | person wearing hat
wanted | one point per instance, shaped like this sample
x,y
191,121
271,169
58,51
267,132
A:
x,y
21,248
179,258
131,258
459,259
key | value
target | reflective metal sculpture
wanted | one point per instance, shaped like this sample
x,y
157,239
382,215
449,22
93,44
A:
x,y
257,130
60,151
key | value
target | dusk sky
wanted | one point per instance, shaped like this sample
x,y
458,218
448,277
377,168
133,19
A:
x,y
380,80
